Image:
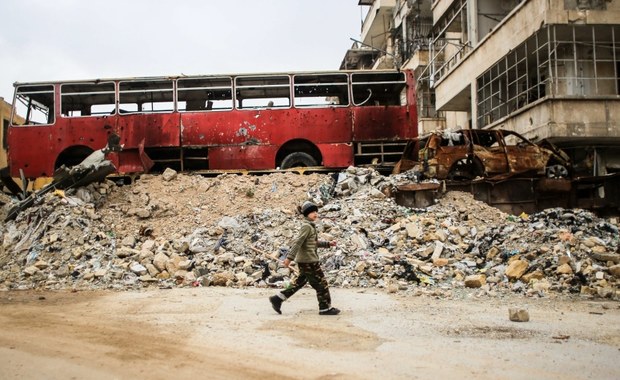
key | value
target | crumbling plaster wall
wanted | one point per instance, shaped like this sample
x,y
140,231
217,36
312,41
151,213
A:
x,y
525,20
566,117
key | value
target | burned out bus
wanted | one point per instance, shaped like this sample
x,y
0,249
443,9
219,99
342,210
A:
x,y
215,122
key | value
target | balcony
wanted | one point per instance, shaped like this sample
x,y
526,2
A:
x,y
376,27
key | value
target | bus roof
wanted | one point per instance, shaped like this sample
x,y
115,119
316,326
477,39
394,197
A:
x,y
172,77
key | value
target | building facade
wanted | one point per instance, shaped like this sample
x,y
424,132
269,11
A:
x,y
548,69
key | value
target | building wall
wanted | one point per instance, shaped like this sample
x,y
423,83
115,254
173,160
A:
x,y
5,116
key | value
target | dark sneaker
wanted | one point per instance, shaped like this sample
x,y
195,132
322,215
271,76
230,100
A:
x,y
276,303
330,311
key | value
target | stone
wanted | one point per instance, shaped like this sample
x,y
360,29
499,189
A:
x,y
129,241
413,230
564,269
40,264
541,286
475,281
138,269
563,260
492,253
535,275
518,315
159,261
438,250
228,222
440,262
31,270
605,257
221,279
100,273
614,270
169,174
516,269
124,252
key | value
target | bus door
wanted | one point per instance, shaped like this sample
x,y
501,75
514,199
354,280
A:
x,y
148,126
382,119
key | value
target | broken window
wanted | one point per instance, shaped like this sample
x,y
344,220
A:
x,y
35,103
378,89
319,90
146,96
204,94
87,99
263,92
558,61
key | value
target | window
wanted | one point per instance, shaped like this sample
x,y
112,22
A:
x,y
262,92
321,90
87,99
35,103
204,94
378,89
146,96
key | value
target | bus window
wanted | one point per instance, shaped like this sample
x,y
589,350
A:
x,y
204,94
36,102
262,92
378,89
145,96
320,90
87,99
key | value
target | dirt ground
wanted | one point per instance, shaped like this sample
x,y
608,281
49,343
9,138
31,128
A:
x,y
228,333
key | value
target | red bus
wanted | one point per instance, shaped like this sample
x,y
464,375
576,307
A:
x,y
215,122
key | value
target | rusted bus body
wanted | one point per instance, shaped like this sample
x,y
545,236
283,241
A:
x,y
224,122
469,153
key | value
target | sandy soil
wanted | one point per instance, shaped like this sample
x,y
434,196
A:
x,y
233,333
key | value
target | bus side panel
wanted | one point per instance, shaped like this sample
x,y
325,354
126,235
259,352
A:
x,y
269,129
337,155
376,123
34,161
329,125
156,129
241,157
266,126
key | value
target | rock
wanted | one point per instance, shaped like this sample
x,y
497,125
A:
x,y
564,269
614,270
129,241
159,261
518,315
440,262
475,281
438,250
138,269
492,253
31,270
605,257
169,174
221,279
124,252
516,269
228,223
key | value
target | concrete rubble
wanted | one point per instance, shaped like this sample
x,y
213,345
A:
x,y
183,230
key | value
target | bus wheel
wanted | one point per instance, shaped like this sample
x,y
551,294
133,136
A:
x,y
298,159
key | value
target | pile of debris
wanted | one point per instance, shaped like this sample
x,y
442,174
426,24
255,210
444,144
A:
x,y
185,230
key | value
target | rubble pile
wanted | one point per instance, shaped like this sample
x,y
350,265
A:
x,y
182,230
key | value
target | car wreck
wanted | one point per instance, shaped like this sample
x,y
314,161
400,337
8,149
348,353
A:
x,y
471,153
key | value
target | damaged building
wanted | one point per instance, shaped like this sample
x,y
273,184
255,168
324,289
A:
x,y
547,69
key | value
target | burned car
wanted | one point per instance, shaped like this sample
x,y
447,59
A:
x,y
471,153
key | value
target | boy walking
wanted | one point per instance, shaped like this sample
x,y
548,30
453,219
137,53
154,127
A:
x,y
304,252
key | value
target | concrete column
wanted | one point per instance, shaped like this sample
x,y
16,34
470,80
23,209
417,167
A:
x,y
472,21
474,104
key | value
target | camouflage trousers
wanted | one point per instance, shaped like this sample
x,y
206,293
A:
x,y
313,274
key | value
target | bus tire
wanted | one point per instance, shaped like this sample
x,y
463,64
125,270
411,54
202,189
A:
x,y
298,159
